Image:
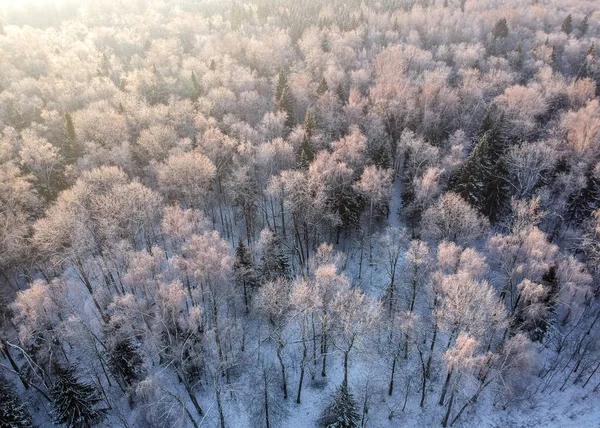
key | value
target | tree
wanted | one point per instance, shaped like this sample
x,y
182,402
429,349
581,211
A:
x,y
284,99
354,317
244,271
274,302
274,262
567,25
528,165
375,184
71,147
451,218
124,360
13,412
186,178
481,179
342,412
500,30
392,244
584,26
75,402
266,409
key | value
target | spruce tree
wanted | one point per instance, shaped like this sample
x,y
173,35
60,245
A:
x,y
567,25
284,100
13,413
70,147
74,401
274,261
482,179
341,94
125,361
305,152
500,30
342,412
584,26
195,86
322,88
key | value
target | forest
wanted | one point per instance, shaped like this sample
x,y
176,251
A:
x,y
299,213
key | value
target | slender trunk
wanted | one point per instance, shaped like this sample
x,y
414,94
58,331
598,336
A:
x,y
273,215
592,375
302,364
246,296
282,365
220,405
447,415
324,347
391,387
282,218
314,335
266,397
192,396
445,388
346,353
14,365
90,289
423,379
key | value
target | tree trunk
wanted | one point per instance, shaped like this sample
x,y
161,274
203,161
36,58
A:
x,y
445,388
266,397
346,353
220,405
283,375
302,364
391,388
447,415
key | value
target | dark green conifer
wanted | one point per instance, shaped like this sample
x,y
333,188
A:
x,y
75,402
13,413
342,412
567,25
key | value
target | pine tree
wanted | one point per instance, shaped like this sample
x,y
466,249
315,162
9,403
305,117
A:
x,y
584,26
284,100
245,273
341,94
13,413
481,180
305,152
322,88
70,147
342,412
274,261
74,401
500,30
195,86
567,25
125,361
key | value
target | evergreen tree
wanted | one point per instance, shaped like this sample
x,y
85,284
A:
x,y
584,26
74,401
305,151
13,413
500,30
342,412
567,25
245,273
274,261
284,100
196,87
341,94
322,88
70,147
482,179
309,125
125,361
